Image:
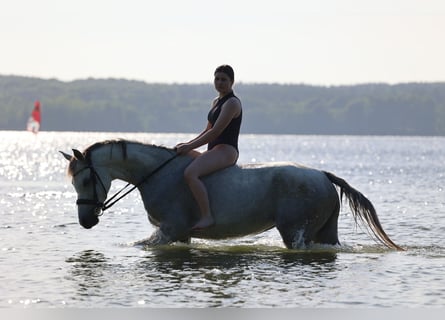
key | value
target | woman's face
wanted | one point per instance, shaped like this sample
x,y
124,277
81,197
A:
x,y
222,83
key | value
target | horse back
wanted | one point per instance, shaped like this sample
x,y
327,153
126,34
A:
x,y
246,197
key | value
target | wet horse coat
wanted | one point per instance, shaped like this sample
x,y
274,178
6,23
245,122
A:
x,y
302,203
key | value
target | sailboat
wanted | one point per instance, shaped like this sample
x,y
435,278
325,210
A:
x,y
34,120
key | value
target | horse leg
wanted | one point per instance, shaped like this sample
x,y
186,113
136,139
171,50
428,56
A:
x,y
167,233
328,234
157,238
291,220
185,240
303,222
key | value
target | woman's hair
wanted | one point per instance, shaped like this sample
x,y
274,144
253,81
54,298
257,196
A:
x,y
225,68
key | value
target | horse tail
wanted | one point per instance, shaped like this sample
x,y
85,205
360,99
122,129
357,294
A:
x,y
362,209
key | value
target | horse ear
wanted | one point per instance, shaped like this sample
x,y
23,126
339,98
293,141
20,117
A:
x,y
78,155
67,156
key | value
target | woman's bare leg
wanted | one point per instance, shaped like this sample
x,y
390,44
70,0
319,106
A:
x,y
219,157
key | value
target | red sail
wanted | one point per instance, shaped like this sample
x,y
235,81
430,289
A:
x,y
35,118
36,112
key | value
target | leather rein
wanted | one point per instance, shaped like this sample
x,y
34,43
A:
x,y
94,176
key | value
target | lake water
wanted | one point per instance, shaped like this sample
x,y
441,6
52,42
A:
x,y
48,260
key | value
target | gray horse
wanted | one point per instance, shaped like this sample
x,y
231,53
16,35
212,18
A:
x,y
302,203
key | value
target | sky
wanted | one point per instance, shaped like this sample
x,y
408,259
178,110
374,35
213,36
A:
x,y
317,42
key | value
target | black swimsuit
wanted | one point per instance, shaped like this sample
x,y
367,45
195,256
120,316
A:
x,y
231,132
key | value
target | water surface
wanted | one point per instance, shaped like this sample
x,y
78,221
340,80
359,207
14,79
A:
x,y
48,260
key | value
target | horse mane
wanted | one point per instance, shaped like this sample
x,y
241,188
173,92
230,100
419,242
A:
x,y
120,142
123,143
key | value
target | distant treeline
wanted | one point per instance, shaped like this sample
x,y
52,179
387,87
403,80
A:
x,y
134,106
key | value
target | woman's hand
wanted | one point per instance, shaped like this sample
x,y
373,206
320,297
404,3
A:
x,y
183,148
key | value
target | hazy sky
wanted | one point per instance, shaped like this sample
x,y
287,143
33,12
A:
x,y
327,42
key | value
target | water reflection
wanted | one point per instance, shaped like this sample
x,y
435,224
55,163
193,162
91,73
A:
x,y
311,258
226,276
178,257
88,271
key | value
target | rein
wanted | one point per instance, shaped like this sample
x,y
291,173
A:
x,y
101,207
109,203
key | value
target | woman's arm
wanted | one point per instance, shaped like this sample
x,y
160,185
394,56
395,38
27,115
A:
x,y
231,109
178,146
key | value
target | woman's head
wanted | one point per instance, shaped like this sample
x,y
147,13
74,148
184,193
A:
x,y
224,78
226,69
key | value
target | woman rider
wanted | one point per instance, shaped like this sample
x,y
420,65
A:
x,y
221,135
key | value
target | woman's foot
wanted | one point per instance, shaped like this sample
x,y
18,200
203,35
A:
x,y
205,222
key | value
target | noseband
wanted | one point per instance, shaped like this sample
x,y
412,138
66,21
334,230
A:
x,y
94,176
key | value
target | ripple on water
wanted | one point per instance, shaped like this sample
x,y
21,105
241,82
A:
x,y
47,259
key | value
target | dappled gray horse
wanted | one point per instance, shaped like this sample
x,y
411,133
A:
x,y
302,203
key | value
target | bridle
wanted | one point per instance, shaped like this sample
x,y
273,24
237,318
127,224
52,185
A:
x,y
100,207
94,176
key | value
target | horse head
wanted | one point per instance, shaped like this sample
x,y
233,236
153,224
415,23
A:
x,y
91,184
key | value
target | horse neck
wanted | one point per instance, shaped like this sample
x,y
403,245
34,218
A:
x,y
135,162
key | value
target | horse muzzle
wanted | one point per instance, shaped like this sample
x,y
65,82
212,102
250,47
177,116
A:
x,y
89,218
88,221
89,215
